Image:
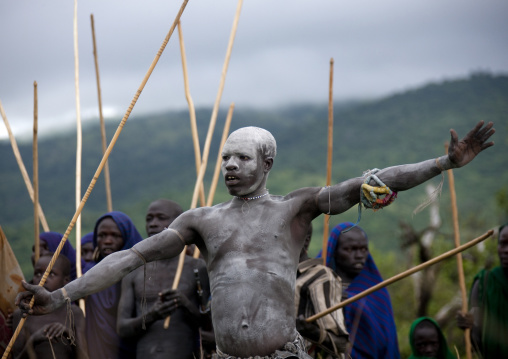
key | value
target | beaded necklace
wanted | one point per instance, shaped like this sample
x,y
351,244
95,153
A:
x,y
252,198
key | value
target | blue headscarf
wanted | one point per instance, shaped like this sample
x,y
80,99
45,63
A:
x,y
102,307
53,239
369,320
87,238
129,232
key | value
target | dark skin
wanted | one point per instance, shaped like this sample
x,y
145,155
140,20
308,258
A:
x,y
38,331
43,250
87,252
474,319
252,247
311,330
109,237
351,254
178,341
426,341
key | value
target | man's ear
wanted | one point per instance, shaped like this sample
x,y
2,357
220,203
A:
x,y
268,163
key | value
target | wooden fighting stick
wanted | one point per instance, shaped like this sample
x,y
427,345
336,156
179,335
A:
x,y
402,275
98,171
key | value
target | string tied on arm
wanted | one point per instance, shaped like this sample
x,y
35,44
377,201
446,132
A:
x,y
70,315
374,197
433,195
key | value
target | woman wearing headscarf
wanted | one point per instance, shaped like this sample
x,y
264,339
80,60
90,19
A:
x,y
87,247
48,243
427,340
369,320
113,231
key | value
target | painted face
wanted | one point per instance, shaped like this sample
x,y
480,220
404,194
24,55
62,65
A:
x,y
87,252
158,217
351,252
502,247
109,237
426,340
243,168
43,250
55,280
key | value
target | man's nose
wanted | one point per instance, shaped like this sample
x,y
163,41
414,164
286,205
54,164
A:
x,y
359,253
231,165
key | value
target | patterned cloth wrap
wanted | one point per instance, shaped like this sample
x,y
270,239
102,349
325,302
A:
x,y
295,349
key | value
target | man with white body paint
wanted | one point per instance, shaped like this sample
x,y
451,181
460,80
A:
x,y
251,243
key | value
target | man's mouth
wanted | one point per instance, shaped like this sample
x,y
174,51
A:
x,y
231,179
107,251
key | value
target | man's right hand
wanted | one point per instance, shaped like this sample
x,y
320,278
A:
x,y
44,301
464,320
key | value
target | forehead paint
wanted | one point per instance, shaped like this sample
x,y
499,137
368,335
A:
x,y
262,138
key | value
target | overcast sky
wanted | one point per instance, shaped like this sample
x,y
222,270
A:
x,y
281,53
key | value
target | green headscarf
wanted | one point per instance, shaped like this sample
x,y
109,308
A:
x,y
443,353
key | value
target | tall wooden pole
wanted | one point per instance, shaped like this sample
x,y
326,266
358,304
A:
x,y
35,158
22,168
79,135
107,181
216,173
79,147
211,127
216,105
329,162
192,112
401,276
98,171
460,267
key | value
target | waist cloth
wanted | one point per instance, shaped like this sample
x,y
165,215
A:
x,y
294,349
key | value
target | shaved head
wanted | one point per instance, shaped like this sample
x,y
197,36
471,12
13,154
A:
x,y
264,139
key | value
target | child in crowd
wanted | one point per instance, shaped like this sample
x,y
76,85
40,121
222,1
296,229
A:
x,y
58,334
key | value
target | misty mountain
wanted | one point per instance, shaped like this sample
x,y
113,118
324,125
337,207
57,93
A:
x,y
154,158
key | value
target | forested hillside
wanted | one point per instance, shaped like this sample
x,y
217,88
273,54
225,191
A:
x,y
154,158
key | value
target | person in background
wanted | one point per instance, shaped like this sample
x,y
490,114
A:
x,y
87,247
317,289
52,335
114,231
152,283
369,320
488,317
48,243
427,340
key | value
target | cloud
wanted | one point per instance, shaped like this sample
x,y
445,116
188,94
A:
x,y
281,52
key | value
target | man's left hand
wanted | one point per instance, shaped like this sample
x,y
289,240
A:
x,y
462,152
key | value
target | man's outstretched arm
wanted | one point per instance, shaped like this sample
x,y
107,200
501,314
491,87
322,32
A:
x,y
344,195
169,243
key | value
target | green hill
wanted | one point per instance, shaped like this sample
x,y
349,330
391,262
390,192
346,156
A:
x,y
154,158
